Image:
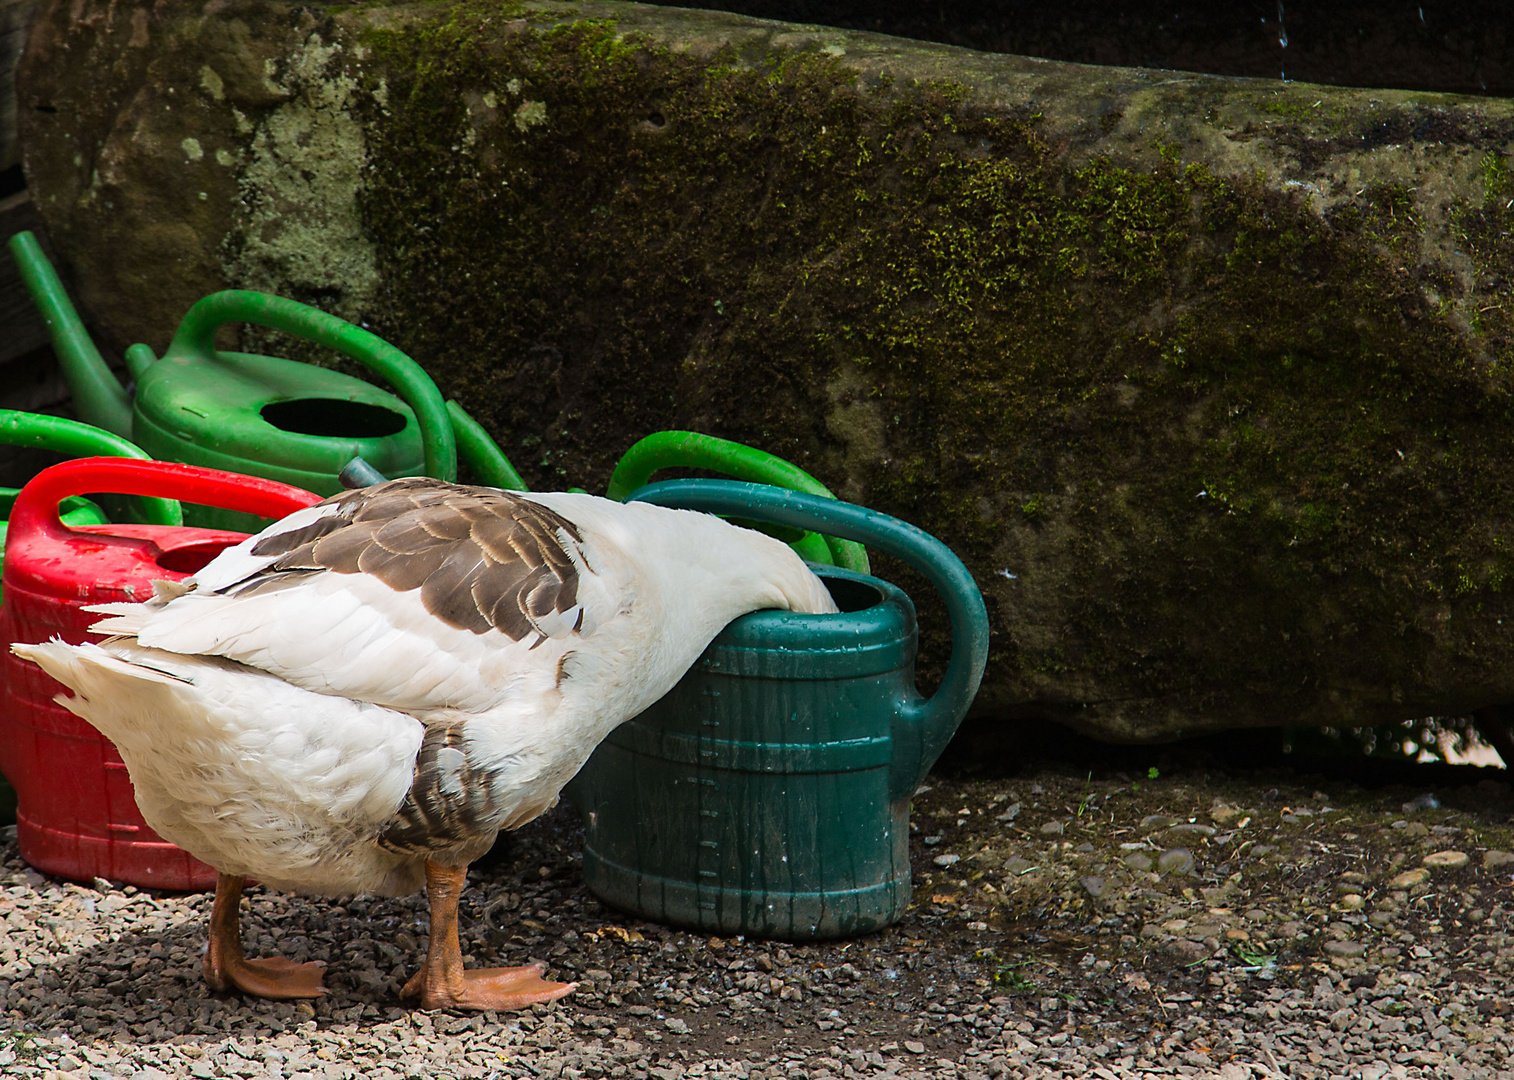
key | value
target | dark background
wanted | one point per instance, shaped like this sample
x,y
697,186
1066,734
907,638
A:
x,y
1463,47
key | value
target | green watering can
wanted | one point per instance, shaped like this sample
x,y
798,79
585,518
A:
x,y
77,440
263,415
768,793
691,450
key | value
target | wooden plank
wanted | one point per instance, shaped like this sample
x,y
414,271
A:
x,y
15,20
21,328
30,378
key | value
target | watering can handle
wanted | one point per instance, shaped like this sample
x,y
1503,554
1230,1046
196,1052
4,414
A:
x,y
693,450
928,723
65,436
197,333
36,508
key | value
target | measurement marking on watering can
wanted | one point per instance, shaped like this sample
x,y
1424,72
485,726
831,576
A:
x,y
709,843
702,780
112,826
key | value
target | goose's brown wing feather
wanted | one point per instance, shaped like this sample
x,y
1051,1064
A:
x,y
482,559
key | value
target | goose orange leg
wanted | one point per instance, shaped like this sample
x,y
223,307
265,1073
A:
x,y
226,968
441,983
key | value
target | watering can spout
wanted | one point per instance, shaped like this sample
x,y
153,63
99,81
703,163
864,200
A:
x,y
98,395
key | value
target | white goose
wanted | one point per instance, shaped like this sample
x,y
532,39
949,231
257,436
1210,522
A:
x,y
361,696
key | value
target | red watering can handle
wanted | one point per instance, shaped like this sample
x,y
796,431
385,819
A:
x,y
36,508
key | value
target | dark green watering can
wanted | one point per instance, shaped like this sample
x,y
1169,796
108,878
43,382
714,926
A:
x,y
262,415
768,793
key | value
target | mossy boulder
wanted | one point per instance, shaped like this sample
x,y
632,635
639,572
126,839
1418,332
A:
x,y
1207,379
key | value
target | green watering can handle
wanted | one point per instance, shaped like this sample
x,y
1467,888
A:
x,y
81,440
924,725
197,334
692,450
483,455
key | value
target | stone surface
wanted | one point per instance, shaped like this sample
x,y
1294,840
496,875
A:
x,y
1409,878
1188,369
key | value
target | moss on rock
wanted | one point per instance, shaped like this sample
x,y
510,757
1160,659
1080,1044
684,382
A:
x,y
1206,383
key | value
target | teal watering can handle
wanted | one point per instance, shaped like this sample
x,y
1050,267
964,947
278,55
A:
x,y
81,440
924,726
693,450
197,334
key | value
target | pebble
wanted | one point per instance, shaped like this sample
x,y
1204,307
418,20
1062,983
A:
x,y
1446,860
1188,952
1175,861
1496,860
1053,828
1345,950
1409,878
1094,886
1188,832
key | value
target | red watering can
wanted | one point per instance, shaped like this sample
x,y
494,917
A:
x,y
77,815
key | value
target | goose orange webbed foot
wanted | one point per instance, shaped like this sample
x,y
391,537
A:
x,y
442,982
485,988
227,969
275,977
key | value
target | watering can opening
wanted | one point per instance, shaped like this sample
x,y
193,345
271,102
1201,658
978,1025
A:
x,y
333,418
191,558
850,594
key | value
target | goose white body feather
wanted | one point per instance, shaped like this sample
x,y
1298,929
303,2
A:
x,y
279,734
292,792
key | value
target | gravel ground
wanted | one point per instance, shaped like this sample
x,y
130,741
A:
x,y
1200,923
